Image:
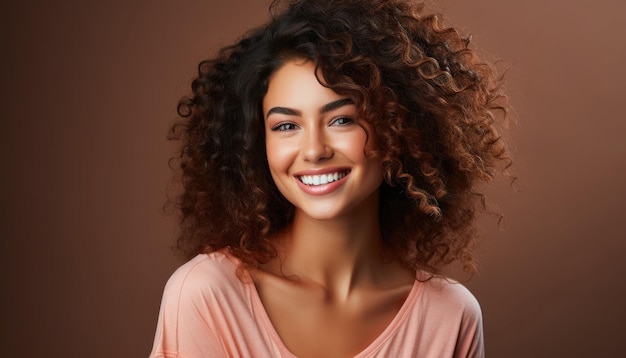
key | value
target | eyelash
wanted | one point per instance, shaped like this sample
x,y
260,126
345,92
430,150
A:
x,y
282,127
344,118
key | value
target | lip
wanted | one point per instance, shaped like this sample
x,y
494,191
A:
x,y
321,171
321,189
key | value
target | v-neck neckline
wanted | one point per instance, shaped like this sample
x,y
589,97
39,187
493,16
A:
x,y
372,347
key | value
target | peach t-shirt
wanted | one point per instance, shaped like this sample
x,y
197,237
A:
x,y
207,311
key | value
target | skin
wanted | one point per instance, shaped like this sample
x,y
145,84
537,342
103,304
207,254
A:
x,y
331,292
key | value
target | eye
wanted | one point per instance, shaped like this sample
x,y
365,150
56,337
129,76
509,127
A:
x,y
342,121
284,127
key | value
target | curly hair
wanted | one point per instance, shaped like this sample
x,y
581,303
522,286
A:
x,y
433,105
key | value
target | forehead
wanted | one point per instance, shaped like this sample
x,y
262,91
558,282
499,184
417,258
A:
x,y
295,84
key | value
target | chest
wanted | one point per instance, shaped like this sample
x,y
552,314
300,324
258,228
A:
x,y
311,325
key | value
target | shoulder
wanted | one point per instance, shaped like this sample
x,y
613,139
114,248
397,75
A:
x,y
202,275
197,298
445,308
449,295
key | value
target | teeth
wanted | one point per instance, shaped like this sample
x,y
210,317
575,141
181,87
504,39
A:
x,y
322,179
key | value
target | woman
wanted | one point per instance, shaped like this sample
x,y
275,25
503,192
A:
x,y
329,163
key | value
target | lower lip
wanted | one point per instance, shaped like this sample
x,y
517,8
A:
x,y
321,189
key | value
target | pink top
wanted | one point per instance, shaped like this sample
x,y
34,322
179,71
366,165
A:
x,y
208,312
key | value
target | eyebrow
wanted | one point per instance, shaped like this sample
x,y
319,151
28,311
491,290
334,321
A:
x,y
325,108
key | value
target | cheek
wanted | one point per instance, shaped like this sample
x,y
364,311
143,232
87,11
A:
x,y
364,150
372,144
271,153
354,146
277,157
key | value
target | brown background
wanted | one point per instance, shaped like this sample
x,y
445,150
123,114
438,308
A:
x,y
89,89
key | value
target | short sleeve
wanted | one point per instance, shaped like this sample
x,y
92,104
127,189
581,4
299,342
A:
x,y
470,342
185,327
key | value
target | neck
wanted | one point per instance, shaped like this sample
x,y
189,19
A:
x,y
336,254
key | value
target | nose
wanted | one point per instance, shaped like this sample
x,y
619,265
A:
x,y
315,146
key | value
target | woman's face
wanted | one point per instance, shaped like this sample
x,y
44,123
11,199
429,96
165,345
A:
x,y
318,152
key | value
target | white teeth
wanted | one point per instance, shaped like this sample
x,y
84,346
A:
x,y
322,179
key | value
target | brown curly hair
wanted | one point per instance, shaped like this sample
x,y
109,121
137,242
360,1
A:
x,y
433,104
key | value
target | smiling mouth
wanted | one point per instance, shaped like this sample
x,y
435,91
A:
x,y
322,179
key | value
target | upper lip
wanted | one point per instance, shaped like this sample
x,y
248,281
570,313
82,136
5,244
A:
x,y
321,171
